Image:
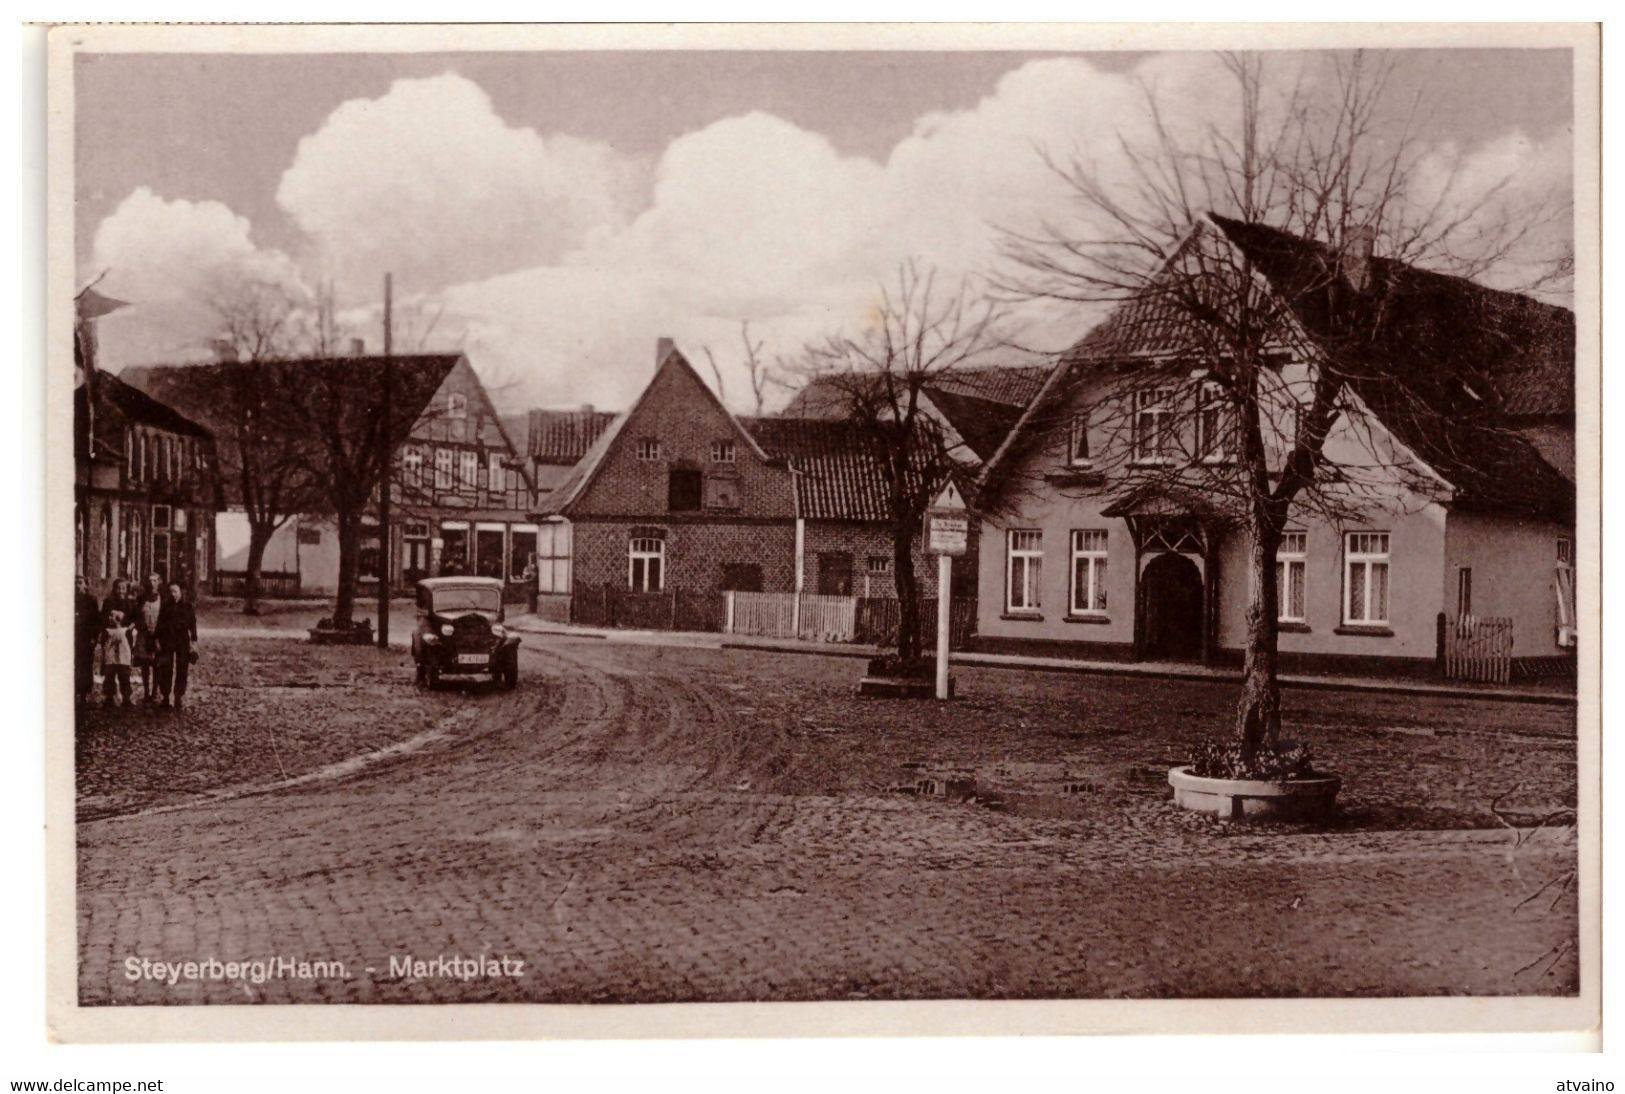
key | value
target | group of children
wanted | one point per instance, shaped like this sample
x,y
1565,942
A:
x,y
152,629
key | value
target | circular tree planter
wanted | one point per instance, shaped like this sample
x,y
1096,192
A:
x,y
888,679
1255,799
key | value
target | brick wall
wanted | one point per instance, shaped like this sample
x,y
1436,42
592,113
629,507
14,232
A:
x,y
864,541
679,413
696,551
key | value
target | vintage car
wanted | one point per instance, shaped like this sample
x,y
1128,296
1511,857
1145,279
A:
x,y
460,632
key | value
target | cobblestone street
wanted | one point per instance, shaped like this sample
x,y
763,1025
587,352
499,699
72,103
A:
x,y
639,823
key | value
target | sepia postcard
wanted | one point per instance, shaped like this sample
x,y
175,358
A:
x,y
567,531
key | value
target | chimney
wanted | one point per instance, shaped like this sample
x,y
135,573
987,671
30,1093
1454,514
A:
x,y
223,349
1357,248
358,347
663,348
587,410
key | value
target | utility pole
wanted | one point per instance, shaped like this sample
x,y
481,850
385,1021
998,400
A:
x,y
386,484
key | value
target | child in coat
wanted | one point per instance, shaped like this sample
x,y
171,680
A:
x,y
116,657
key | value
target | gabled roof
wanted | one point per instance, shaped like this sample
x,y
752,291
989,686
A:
x,y
572,488
138,407
838,474
205,390
1448,366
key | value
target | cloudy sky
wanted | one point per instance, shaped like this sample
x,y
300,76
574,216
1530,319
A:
x,y
556,212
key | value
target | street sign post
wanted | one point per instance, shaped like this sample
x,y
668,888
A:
x,y
947,535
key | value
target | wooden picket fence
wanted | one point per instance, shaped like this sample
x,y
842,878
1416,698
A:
x,y
823,618
820,618
766,615
1479,648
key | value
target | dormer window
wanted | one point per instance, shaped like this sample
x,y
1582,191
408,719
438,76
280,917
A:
x,y
722,452
648,449
1077,445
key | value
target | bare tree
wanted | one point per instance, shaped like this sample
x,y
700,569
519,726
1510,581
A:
x,y
1203,387
757,371
916,335
256,326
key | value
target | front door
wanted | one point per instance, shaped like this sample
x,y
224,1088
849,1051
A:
x,y
1171,613
417,560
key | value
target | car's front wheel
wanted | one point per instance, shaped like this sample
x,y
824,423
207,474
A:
x,y
432,676
510,671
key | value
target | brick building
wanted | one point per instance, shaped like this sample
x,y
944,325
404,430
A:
x,y
678,497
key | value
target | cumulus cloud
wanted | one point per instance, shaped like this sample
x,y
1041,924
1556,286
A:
x,y
429,182
175,259
556,263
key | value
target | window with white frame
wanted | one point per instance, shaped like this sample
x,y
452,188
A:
x,y
1077,446
646,564
141,458
1464,591
1565,551
1025,564
456,405
722,452
1365,577
442,469
129,454
412,465
1291,577
1151,439
493,470
1088,571
468,468
648,449
1212,424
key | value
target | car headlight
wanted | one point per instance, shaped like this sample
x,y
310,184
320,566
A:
x,y
445,629
498,630
431,638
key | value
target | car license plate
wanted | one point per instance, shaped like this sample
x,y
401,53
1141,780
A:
x,y
472,659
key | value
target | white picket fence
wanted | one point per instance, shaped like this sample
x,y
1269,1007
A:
x,y
786,615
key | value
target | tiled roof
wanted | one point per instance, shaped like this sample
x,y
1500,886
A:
x,y
1013,385
563,436
1447,365
205,391
839,476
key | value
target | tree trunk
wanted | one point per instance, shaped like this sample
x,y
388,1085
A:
x,y
908,594
349,569
1258,714
259,538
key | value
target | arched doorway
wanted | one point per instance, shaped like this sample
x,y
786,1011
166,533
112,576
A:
x,y
1171,586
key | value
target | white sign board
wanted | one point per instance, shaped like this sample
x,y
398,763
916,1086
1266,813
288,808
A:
x,y
947,533
947,525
